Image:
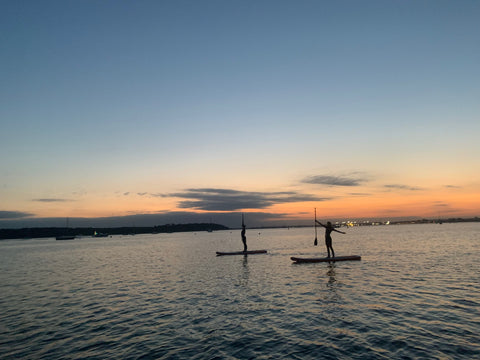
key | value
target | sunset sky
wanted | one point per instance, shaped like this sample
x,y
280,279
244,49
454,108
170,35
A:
x,y
152,112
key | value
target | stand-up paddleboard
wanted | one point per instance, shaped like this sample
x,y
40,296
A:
x,y
244,240
249,252
326,259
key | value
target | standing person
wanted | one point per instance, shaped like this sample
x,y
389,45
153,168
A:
x,y
244,238
328,239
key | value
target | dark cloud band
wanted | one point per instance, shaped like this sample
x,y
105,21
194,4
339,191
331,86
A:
x,y
9,215
333,180
231,200
402,187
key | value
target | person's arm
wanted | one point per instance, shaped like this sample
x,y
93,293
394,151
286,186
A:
x,y
341,232
319,223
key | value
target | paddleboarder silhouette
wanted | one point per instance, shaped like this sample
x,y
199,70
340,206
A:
x,y
244,238
328,239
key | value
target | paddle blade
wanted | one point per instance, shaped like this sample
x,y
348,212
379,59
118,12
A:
x,y
315,243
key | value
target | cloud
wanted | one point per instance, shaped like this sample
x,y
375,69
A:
x,y
402,187
232,200
391,211
452,187
444,209
441,205
333,180
9,215
144,193
48,200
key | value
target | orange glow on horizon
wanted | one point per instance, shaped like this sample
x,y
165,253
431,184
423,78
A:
x,y
442,203
395,205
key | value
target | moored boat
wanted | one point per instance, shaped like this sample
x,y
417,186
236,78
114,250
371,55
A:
x,y
65,237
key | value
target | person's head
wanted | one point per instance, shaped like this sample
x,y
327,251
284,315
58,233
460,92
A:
x,y
329,223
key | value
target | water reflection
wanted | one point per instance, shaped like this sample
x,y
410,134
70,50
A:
x,y
331,275
332,285
245,272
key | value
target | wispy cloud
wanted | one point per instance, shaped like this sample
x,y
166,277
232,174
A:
x,y
49,200
334,180
452,187
402,187
232,200
441,204
144,193
10,215
391,212
444,208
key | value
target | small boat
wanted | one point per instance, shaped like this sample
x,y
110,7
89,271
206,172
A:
x,y
65,237
97,234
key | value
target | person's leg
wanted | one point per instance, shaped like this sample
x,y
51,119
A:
x,y
244,240
333,252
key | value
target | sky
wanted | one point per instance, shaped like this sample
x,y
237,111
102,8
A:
x,y
121,113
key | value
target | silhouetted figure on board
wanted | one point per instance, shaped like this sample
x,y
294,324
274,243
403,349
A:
x,y
244,238
328,239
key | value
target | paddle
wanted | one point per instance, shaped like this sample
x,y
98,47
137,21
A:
x,y
315,243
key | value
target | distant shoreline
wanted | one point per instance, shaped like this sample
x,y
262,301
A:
x,y
49,232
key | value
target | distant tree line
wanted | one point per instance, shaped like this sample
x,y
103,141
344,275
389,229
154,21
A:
x,y
47,232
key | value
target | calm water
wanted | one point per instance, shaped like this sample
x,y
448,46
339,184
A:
x,y
415,294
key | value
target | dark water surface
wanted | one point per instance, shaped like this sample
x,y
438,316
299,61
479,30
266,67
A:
x,y
415,294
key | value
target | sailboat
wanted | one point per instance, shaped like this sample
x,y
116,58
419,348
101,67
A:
x,y
65,237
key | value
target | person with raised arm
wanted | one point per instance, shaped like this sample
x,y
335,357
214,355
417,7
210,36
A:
x,y
328,239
